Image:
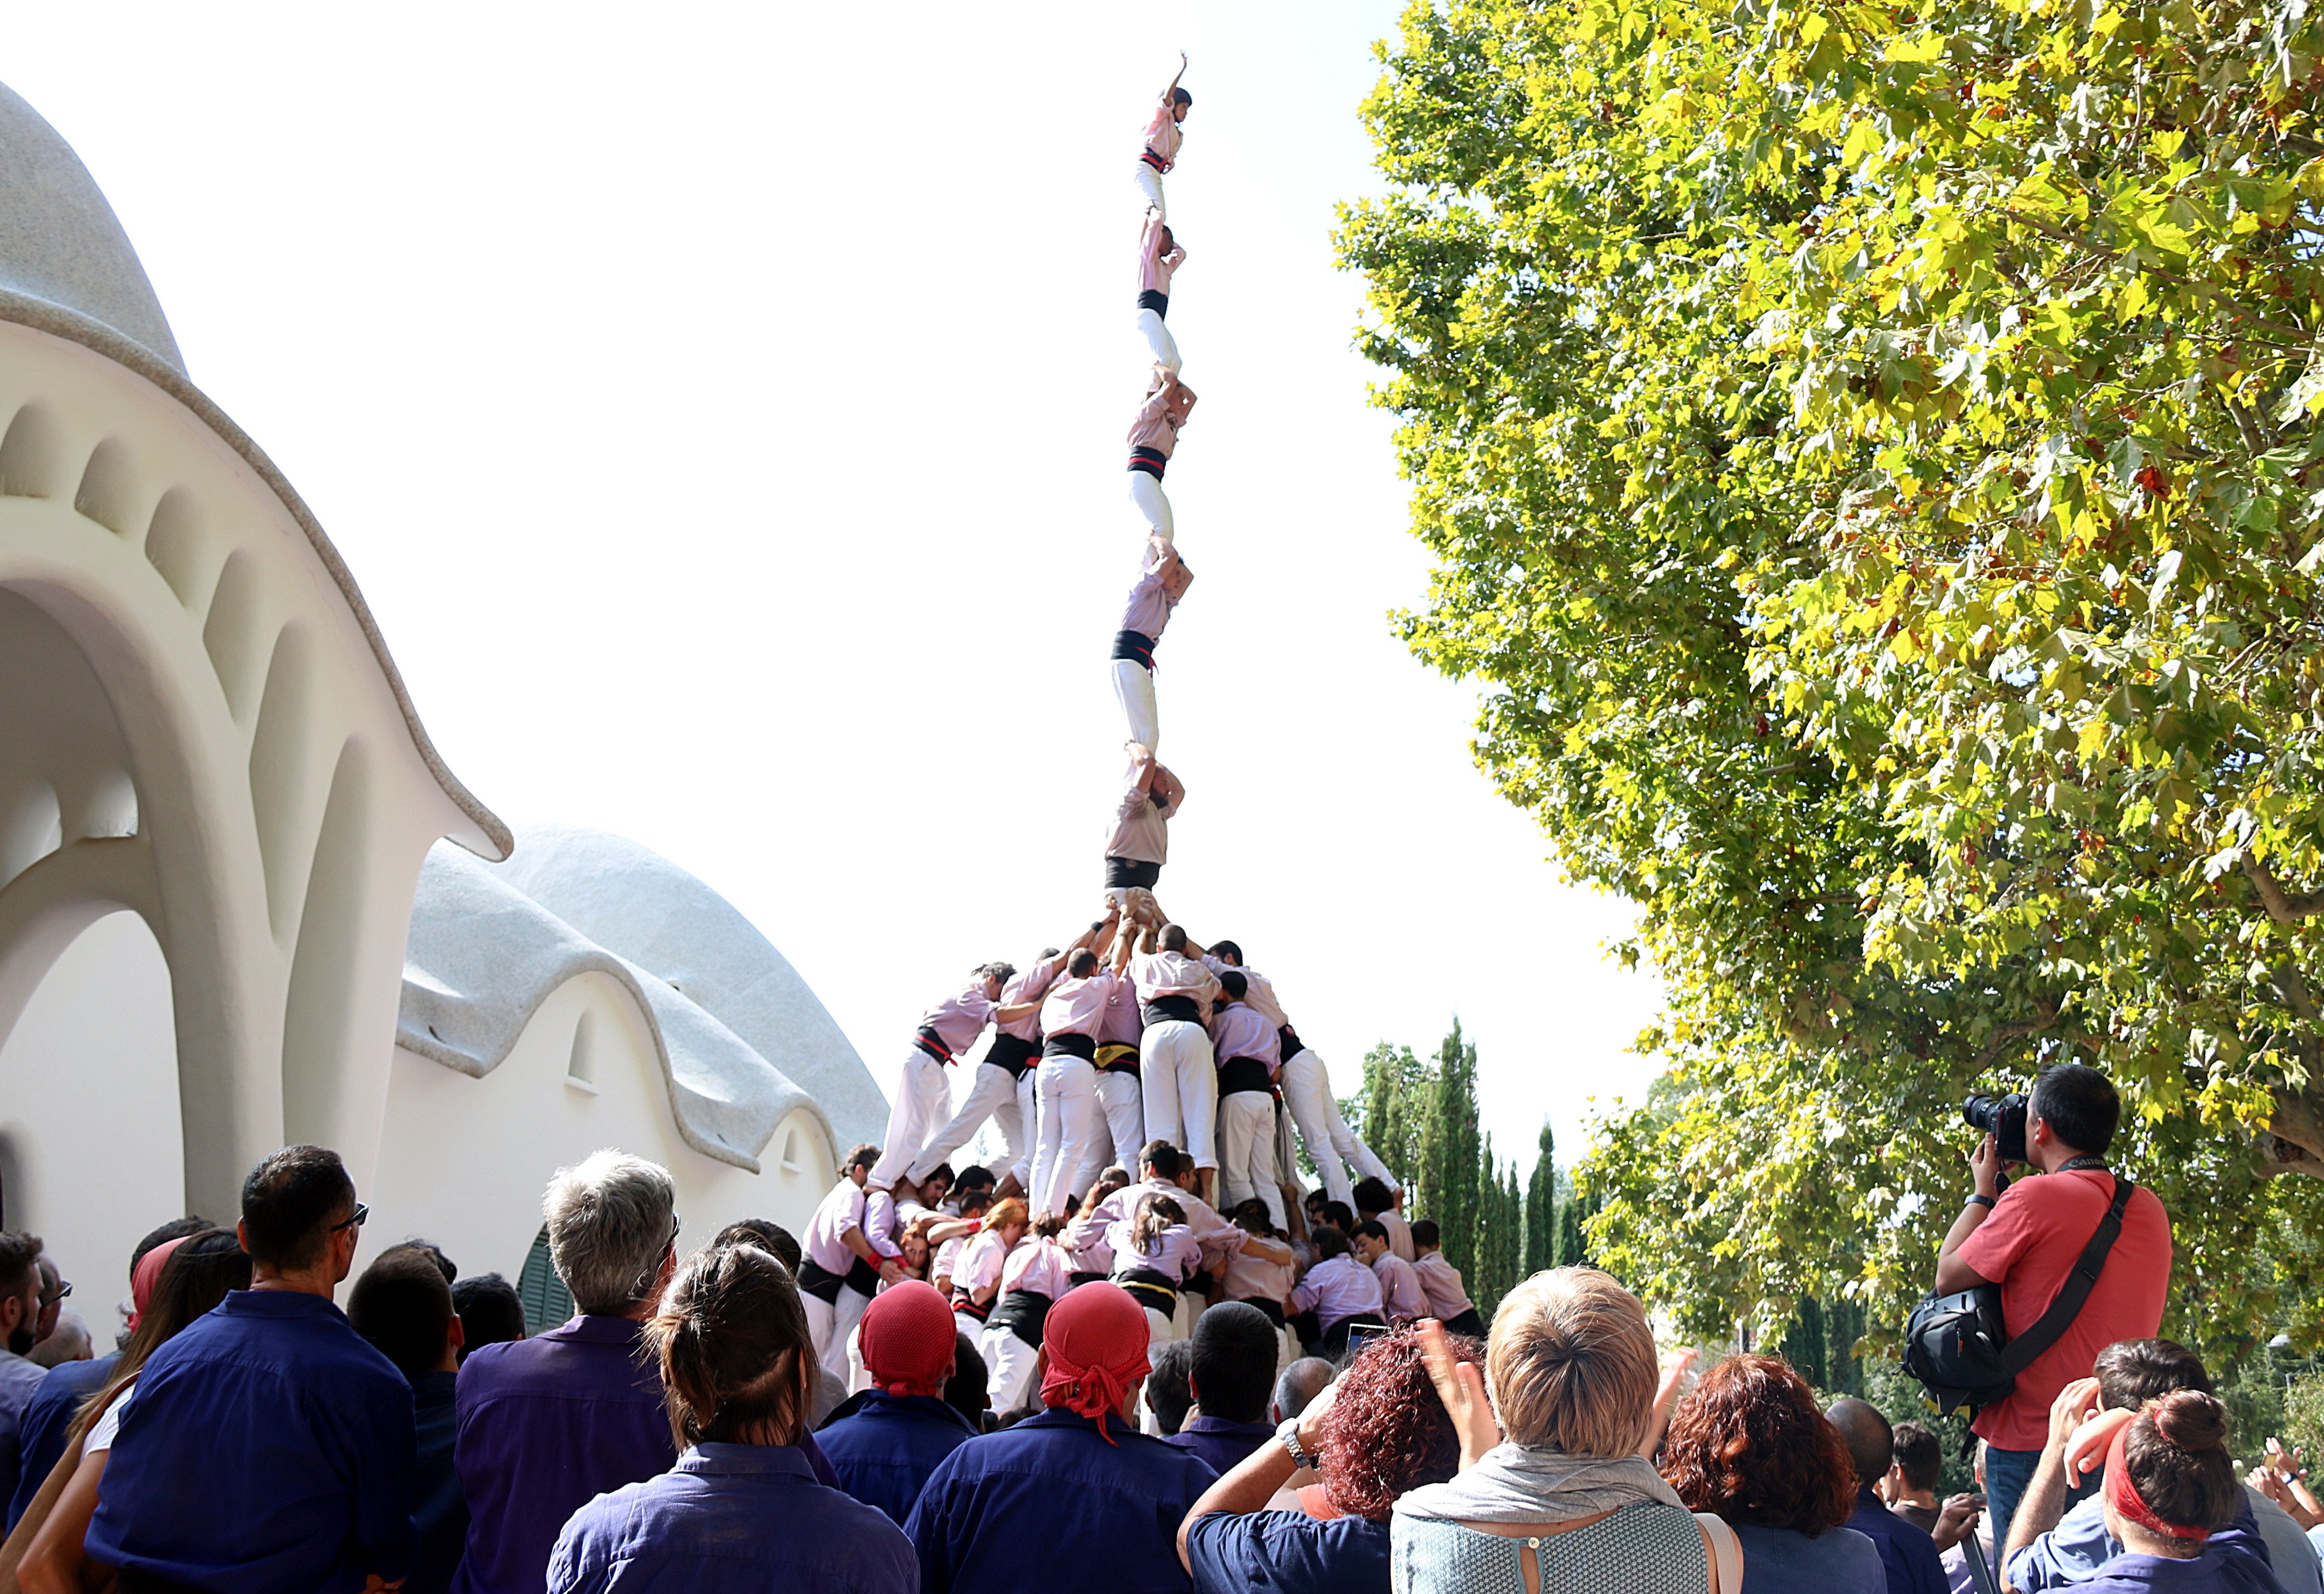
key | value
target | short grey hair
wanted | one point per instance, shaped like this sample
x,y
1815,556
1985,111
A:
x,y
1300,1384
611,1219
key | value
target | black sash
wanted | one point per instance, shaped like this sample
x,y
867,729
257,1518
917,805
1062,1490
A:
x,y
963,1306
930,1042
1120,873
1155,300
1151,1289
1135,645
863,1278
1241,1075
1013,1053
1152,461
1075,1280
1023,1313
1163,1009
1070,1045
1288,1040
1273,1310
820,1283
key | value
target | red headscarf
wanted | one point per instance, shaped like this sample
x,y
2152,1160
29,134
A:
x,y
2123,1494
146,1274
1096,1342
910,1338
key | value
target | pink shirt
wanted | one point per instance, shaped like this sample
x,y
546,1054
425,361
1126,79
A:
x,y
947,1257
1040,1266
1241,1031
1079,1007
1399,1234
1218,1237
1156,264
1259,992
1260,1271
1123,1025
1170,973
1441,1281
1161,416
980,1264
881,1223
1176,1254
1147,609
1028,987
1338,1287
841,1210
1141,827
958,1020
1400,1291
1163,134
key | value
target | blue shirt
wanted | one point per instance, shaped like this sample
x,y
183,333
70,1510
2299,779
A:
x,y
440,1511
884,1446
731,1519
2070,1554
1288,1552
1785,1560
270,1448
2214,1571
544,1426
1907,1553
1224,1445
1050,1507
41,1440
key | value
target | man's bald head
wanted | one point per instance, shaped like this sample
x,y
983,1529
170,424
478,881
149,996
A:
x,y
1300,1383
1869,1439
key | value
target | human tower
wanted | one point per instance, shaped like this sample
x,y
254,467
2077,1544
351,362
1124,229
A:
x,y
1133,1031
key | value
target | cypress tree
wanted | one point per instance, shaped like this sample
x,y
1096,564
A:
x,y
1452,1176
1541,1207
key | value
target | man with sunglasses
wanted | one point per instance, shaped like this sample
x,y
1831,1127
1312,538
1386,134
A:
x,y
268,1447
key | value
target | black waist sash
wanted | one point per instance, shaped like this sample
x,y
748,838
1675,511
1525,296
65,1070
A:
x,y
1155,300
1120,873
1012,1053
930,1042
1288,1040
1135,645
963,1306
863,1278
1022,1313
819,1282
1163,1009
1152,461
1074,1280
1151,1289
1272,1310
1151,158
1070,1045
1240,1075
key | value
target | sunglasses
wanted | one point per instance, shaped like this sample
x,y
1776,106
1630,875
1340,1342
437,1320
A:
x,y
64,1288
361,1216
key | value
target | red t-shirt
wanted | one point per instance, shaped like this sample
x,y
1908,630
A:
x,y
2027,1245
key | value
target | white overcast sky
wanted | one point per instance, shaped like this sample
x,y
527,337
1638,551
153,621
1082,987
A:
x,y
722,410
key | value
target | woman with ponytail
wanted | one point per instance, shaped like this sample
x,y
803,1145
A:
x,y
1154,1254
2170,1483
740,1513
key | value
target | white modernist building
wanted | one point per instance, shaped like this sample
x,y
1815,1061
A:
x,y
216,803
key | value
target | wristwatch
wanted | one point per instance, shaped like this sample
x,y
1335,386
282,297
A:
x,y
1286,1434
1978,1199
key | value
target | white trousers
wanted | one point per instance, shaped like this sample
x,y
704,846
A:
x,y
1070,1123
1122,1098
829,1326
1150,187
1146,492
1332,1145
1181,1087
1156,331
923,1097
1247,1153
993,1094
1008,1368
858,1377
1133,688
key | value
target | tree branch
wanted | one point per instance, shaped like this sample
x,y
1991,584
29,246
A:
x,y
2282,908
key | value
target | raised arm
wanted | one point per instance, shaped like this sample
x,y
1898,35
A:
x,y
1181,73
1172,790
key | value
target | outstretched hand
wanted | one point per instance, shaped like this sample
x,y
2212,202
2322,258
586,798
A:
x,y
1665,1397
1461,1386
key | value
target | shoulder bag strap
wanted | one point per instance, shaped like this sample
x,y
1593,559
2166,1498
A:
x,y
2020,1352
1724,1552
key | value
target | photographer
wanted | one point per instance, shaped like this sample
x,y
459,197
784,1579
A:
x,y
2028,1239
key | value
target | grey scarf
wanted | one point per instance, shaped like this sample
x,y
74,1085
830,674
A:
x,y
1521,1483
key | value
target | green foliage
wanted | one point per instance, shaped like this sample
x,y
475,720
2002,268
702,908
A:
x,y
1392,1108
1455,1169
1541,1206
1871,456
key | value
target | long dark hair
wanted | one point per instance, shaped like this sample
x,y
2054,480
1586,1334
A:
x,y
732,1338
199,1273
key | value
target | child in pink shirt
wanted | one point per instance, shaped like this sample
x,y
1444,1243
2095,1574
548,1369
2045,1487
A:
x,y
1159,150
1160,256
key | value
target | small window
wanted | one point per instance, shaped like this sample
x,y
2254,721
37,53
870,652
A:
x,y
581,1062
547,1302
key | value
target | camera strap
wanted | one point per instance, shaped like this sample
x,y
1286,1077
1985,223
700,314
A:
x,y
2022,1351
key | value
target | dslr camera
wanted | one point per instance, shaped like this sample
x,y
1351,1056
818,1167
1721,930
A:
x,y
2003,1118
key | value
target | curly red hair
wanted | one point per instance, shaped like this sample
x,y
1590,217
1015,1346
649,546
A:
x,y
1749,1445
1387,1431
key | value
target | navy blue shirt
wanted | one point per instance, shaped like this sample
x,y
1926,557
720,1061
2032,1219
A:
x,y
1288,1552
731,1519
1907,1553
1224,1445
440,1511
1049,1507
884,1446
270,1449
2070,1554
49,1417
1785,1560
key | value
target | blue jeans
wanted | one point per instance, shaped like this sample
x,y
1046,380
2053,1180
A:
x,y
2007,1474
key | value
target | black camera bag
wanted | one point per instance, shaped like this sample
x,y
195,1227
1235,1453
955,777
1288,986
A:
x,y
1958,1347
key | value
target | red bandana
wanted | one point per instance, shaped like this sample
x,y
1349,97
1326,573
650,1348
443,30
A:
x,y
1096,1341
909,1339
2123,1494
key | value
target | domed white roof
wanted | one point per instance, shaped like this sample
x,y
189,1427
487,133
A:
x,y
59,240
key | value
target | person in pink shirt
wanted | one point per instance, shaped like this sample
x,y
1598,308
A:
x,y
922,1093
1441,1281
1153,439
1140,844
1035,1277
1155,1256
1244,1044
1176,1075
840,1268
1162,579
1401,1296
1071,1016
1160,256
1120,1095
976,1282
1262,1275
1158,151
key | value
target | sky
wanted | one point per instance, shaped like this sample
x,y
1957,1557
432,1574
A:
x,y
721,409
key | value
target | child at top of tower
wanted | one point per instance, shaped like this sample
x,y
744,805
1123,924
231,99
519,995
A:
x,y
1162,137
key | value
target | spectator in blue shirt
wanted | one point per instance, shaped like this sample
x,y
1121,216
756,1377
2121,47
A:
x,y
1235,1351
547,1424
1908,1554
268,1448
403,1304
885,1441
1075,1501
740,1513
490,1313
20,1307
